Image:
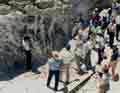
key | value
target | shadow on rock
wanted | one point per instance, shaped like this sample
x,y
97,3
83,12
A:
x,y
18,67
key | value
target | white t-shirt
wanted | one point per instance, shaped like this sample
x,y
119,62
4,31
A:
x,y
108,52
118,19
100,41
94,58
67,56
26,45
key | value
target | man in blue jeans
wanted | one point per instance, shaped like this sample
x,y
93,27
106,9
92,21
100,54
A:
x,y
54,68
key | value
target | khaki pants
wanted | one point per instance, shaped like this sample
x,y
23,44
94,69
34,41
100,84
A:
x,y
79,61
113,67
64,73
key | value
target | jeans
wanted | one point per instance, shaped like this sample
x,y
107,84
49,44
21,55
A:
x,y
51,74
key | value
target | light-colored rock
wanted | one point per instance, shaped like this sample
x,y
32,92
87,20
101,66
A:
x,y
43,4
31,10
4,9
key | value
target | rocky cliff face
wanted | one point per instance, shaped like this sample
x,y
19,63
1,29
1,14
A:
x,y
49,23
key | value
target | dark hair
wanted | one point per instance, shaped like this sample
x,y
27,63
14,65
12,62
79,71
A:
x,y
105,70
99,23
49,54
68,47
104,19
100,74
115,49
110,12
105,57
26,38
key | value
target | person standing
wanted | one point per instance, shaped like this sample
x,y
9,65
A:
x,y
102,78
87,48
114,61
111,32
117,27
94,58
78,57
27,48
100,44
109,17
67,57
54,63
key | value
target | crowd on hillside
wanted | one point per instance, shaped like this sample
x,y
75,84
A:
x,y
95,46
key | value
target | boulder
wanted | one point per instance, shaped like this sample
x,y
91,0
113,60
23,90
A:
x,y
4,9
31,10
43,4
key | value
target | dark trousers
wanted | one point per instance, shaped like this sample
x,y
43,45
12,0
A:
x,y
111,38
100,58
51,74
28,60
117,31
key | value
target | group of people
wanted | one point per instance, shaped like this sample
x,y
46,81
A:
x,y
98,46
93,48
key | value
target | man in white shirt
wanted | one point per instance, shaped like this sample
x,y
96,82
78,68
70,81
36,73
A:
x,y
117,27
27,49
67,57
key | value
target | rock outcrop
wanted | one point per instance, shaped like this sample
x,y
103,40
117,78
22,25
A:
x,y
49,23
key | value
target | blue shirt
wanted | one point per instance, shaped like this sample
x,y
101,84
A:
x,y
54,64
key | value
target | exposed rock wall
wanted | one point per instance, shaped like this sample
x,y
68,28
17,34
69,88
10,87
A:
x,y
49,23
49,29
